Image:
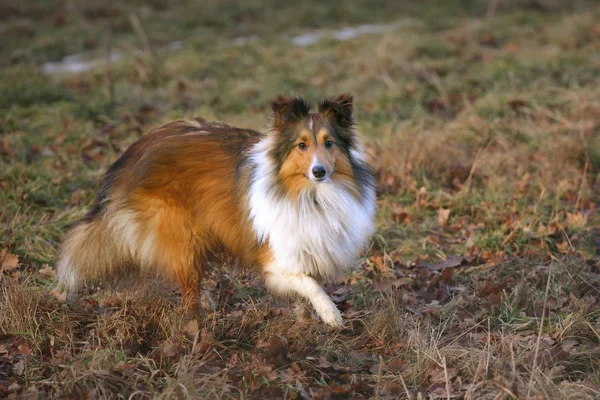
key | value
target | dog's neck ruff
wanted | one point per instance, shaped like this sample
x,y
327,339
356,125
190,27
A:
x,y
320,233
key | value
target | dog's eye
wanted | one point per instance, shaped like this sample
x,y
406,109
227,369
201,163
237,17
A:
x,y
328,144
302,146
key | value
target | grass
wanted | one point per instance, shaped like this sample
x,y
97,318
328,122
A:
x,y
482,124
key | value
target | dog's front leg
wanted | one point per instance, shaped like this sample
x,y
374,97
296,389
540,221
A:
x,y
306,287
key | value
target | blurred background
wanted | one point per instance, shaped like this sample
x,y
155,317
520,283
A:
x,y
494,98
482,120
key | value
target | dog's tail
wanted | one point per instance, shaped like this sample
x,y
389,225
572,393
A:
x,y
110,243
91,253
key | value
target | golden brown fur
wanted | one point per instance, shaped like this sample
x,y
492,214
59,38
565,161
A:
x,y
182,193
177,189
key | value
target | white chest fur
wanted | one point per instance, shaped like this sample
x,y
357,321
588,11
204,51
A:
x,y
320,234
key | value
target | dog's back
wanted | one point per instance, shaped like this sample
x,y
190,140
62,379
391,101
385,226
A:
x,y
161,205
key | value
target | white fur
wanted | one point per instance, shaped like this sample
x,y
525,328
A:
x,y
139,243
317,235
309,288
358,151
66,273
314,162
125,228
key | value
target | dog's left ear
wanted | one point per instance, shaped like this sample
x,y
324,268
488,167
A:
x,y
288,110
338,109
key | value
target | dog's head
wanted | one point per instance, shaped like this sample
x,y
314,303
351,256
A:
x,y
313,148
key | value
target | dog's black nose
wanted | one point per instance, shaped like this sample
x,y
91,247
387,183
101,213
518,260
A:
x,y
319,171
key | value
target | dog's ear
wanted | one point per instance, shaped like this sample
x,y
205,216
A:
x,y
338,109
287,110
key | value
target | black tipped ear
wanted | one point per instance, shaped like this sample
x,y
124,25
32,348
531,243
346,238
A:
x,y
338,109
288,110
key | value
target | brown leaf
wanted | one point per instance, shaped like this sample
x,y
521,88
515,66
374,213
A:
x,y
443,215
61,297
576,220
517,104
432,308
450,262
8,261
18,368
146,110
5,150
401,216
487,39
339,390
233,361
34,151
275,349
47,271
386,284
122,366
380,264
447,274
191,328
14,387
206,342
396,365
171,349
24,349
489,288
265,370
511,47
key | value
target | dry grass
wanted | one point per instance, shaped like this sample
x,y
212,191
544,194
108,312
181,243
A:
x,y
481,282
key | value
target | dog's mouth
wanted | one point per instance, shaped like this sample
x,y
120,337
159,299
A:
x,y
316,180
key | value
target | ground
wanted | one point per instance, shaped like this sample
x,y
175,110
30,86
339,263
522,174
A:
x,y
482,122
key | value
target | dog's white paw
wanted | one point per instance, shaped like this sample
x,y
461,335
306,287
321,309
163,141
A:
x,y
332,317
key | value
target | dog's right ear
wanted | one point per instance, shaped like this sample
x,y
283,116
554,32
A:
x,y
288,110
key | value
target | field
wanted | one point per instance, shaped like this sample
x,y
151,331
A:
x,y
483,124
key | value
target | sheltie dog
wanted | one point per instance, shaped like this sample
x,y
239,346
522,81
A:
x,y
297,203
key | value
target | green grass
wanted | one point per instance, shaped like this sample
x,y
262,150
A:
x,y
492,118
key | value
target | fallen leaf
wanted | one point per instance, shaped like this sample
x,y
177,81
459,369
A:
x,y
47,271
191,328
8,261
339,390
432,308
488,288
396,365
24,349
517,104
171,349
275,350
447,274
5,150
450,262
487,39
576,220
61,297
266,371
122,366
18,368
443,215
511,47
34,151
401,216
